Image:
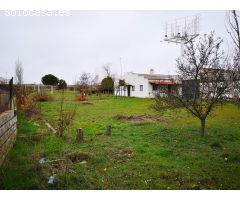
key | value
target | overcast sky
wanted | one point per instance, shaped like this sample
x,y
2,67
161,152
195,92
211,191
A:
x,y
85,40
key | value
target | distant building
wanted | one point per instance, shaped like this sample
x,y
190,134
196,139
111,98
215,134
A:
x,y
208,76
3,80
146,85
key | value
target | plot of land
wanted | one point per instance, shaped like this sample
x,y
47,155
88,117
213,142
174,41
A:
x,y
145,151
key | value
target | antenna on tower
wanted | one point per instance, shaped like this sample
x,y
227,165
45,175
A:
x,y
182,30
121,65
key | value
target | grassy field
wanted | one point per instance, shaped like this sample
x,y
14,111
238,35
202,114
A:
x,y
143,152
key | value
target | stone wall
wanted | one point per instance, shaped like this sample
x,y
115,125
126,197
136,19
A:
x,y
8,132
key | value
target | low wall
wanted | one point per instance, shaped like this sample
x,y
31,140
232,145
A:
x,y
8,132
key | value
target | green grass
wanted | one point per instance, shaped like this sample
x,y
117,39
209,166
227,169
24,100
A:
x,y
152,155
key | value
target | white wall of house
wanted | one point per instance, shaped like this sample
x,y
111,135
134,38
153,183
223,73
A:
x,y
137,82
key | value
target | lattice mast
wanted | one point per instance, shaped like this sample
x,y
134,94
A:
x,y
182,30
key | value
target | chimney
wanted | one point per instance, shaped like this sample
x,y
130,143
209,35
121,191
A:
x,y
151,71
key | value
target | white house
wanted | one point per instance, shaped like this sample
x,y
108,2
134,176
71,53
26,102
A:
x,y
145,85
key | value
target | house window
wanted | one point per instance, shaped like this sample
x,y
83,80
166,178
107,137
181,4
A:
x,y
141,87
133,88
155,87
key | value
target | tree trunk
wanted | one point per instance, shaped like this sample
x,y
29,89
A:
x,y
202,129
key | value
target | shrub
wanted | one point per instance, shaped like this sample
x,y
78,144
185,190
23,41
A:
x,y
21,98
31,108
62,84
43,97
81,97
26,104
65,117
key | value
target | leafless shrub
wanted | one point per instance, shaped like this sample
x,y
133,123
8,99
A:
x,y
43,97
65,117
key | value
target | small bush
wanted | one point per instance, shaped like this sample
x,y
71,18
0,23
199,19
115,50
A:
x,y
32,109
43,97
65,117
81,97
21,97
28,106
25,103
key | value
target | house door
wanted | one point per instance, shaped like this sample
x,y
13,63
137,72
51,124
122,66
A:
x,y
129,90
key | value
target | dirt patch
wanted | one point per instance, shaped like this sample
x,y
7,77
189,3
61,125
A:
x,y
139,119
125,153
79,157
85,102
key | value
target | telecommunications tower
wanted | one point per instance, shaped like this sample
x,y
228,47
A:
x,y
182,30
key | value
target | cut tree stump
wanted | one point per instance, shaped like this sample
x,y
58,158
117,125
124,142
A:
x,y
108,131
79,137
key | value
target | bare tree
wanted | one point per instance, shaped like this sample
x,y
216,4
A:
x,y
233,29
85,79
22,99
84,82
107,69
19,72
204,76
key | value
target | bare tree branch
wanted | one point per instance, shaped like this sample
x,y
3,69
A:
x,y
107,69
